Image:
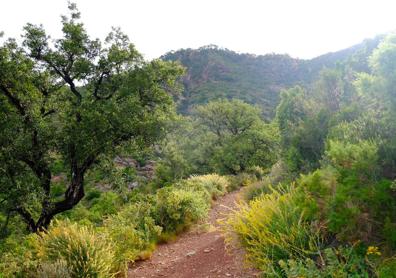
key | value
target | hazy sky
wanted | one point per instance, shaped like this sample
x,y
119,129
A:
x,y
301,28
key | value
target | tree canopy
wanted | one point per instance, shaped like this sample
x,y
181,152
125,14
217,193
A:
x,y
77,99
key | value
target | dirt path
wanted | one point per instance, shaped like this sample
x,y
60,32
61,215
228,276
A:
x,y
197,254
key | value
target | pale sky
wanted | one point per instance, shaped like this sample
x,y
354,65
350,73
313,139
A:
x,y
301,28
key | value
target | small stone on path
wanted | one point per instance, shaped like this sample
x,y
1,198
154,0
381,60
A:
x,y
190,254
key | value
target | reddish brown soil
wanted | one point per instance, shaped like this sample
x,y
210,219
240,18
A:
x,y
198,254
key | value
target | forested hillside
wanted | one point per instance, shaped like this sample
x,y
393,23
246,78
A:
x,y
214,73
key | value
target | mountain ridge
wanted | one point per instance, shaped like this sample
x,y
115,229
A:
x,y
214,72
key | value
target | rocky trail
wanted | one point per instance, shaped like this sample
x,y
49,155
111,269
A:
x,y
199,253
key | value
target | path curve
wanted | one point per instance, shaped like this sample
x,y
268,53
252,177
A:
x,y
198,254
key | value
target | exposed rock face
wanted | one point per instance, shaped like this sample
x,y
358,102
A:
x,y
147,170
144,172
126,162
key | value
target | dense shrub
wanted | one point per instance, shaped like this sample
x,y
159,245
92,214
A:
x,y
256,189
257,171
276,176
273,228
95,208
350,199
211,185
133,232
85,252
176,209
387,268
101,236
18,256
340,262
106,204
241,180
360,158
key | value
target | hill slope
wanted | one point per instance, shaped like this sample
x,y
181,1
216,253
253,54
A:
x,y
213,73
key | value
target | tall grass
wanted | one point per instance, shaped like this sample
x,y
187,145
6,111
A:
x,y
273,228
86,253
212,185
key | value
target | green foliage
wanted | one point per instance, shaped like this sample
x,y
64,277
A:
x,y
257,171
224,136
387,269
108,203
95,207
18,256
303,128
176,209
256,189
360,158
241,180
75,247
349,198
382,59
134,233
265,184
211,185
66,105
340,262
216,73
241,139
273,228
182,152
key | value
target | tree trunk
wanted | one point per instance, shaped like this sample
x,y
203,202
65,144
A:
x,y
73,195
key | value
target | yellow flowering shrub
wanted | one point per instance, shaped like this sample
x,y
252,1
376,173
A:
x,y
85,252
272,228
212,185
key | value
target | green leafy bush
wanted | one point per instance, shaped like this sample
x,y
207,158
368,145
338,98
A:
x,y
176,209
18,256
349,199
276,176
340,262
106,204
360,158
133,232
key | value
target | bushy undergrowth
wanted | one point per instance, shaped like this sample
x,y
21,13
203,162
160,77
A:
x,y
177,209
18,257
326,224
263,183
85,252
273,228
101,236
212,186
340,262
134,232
241,180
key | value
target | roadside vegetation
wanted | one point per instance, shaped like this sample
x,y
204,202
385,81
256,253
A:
x,y
97,167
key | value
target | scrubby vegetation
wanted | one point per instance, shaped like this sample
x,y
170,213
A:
x,y
82,245
332,213
96,166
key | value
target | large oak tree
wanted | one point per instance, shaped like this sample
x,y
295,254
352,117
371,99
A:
x,y
73,99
